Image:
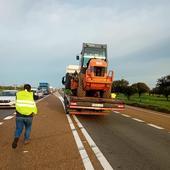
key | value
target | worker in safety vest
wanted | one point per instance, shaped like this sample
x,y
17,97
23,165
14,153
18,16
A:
x,y
25,109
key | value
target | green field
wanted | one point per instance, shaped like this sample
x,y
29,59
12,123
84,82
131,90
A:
x,y
158,103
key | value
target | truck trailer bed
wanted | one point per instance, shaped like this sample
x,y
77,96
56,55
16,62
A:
x,y
92,105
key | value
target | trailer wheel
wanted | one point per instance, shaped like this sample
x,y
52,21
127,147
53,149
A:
x,y
80,90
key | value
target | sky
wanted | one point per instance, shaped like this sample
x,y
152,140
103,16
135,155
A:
x,y
38,39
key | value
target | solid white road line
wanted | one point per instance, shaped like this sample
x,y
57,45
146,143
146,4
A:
x,y
85,158
1,123
61,99
8,117
138,120
125,115
155,126
103,161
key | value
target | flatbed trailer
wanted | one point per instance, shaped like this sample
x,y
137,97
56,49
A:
x,y
91,105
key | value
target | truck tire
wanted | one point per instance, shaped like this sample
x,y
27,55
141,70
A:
x,y
80,90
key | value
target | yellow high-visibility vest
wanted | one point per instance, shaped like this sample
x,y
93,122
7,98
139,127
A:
x,y
25,104
113,95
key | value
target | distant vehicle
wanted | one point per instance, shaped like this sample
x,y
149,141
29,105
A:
x,y
40,93
8,98
37,93
45,87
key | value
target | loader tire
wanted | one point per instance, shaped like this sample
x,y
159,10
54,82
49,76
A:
x,y
80,90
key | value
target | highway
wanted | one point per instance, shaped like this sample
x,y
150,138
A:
x,y
128,144
5,112
135,139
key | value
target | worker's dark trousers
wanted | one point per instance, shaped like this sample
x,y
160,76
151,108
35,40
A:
x,y
22,122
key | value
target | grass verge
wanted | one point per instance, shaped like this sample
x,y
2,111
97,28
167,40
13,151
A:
x,y
157,103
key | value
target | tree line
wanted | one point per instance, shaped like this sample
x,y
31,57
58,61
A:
x,y
11,87
162,87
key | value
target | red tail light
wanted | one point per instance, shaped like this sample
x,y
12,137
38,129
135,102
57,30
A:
x,y
73,103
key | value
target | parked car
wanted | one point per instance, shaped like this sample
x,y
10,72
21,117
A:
x,y
8,98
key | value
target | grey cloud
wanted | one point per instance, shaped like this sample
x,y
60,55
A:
x,y
50,33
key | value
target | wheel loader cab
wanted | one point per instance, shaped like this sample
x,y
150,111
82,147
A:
x,y
91,51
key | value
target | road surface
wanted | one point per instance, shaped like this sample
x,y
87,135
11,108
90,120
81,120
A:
x,y
136,139
5,112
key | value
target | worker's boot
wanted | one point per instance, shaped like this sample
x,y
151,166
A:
x,y
14,144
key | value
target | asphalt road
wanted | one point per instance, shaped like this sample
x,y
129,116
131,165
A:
x,y
128,144
5,112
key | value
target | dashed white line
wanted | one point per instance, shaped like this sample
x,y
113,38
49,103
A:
x,y
103,161
85,158
138,120
144,110
8,117
125,115
116,112
1,123
155,126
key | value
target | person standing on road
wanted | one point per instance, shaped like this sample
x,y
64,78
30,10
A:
x,y
25,109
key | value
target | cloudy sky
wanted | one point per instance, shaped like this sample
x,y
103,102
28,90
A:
x,y
38,39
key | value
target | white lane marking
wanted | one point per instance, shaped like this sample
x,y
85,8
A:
x,y
116,112
125,115
144,110
103,161
138,120
61,99
1,123
155,126
8,117
85,158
